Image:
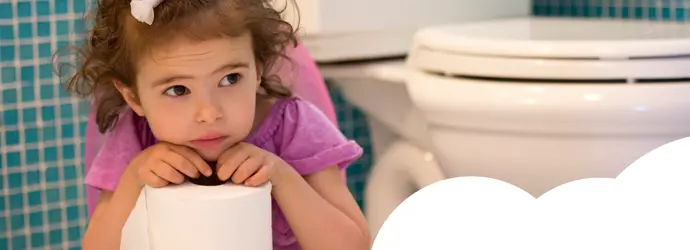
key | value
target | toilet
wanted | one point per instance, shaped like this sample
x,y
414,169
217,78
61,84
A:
x,y
536,102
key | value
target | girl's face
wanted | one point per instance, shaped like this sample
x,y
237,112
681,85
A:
x,y
198,94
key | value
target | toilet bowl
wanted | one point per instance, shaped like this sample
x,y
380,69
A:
x,y
539,102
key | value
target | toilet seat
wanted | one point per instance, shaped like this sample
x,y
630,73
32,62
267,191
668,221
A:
x,y
556,49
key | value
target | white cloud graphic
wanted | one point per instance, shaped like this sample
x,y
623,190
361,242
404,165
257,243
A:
x,y
646,207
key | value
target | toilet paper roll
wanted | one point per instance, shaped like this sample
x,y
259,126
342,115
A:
x,y
190,216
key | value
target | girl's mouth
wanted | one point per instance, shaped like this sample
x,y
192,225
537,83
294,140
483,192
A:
x,y
211,141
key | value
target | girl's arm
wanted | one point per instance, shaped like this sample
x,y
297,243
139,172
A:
x,y
321,211
105,227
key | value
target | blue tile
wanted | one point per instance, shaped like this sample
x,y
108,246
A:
x,y
14,159
9,96
36,219
45,71
62,27
67,131
7,53
62,43
14,180
47,112
680,14
50,154
61,6
6,11
29,115
43,29
24,9
51,174
66,111
4,243
54,215
19,242
26,30
35,199
16,201
2,208
666,13
37,240
55,236
73,233
26,52
12,138
79,5
71,193
28,94
27,73
79,28
33,177
625,12
639,12
10,117
8,74
52,195
31,136
49,133
32,156
6,32
43,8
68,152
45,50
47,92
3,229
70,171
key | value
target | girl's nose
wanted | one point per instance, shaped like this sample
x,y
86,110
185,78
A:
x,y
208,111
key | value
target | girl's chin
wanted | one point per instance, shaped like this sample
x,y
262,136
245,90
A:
x,y
209,156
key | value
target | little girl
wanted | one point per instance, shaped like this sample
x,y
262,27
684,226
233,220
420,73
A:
x,y
191,78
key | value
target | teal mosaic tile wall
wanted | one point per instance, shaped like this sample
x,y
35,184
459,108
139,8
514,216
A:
x,y
670,10
42,205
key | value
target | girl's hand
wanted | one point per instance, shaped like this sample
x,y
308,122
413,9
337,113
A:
x,y
247,164
165,163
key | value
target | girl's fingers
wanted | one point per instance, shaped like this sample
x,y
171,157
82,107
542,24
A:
x,y
260,177
181,164
246,169
195,160
231,163
153,180
168,173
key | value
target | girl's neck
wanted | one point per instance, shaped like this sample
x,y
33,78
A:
x,y
263,108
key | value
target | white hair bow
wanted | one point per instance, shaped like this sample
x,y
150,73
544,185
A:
x,y
142,10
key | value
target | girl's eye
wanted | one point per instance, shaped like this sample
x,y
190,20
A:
x,y
230,79
177,90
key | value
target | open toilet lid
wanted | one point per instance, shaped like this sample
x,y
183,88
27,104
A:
x,y
556,48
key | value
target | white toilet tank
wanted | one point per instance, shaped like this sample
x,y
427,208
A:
x,y
338,30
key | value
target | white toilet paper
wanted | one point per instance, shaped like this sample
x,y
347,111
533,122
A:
x,y
190,216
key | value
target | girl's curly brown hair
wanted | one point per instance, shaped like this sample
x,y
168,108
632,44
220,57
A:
x,y
117,41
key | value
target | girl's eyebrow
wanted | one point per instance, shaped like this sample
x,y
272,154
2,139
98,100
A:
x,y
224,67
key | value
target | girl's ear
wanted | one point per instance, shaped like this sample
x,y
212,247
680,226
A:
x,y
130,98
